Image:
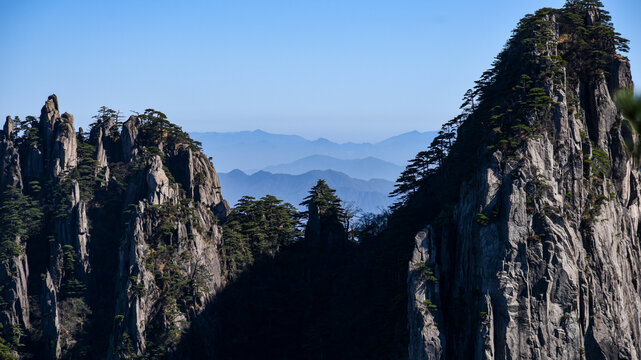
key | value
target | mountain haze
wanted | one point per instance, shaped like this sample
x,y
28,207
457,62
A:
x,y
367,168
368,195
254,150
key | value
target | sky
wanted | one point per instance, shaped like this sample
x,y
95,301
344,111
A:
x,y
346,70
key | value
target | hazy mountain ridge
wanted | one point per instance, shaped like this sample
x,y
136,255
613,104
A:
x,y
253,150
366,168
369,196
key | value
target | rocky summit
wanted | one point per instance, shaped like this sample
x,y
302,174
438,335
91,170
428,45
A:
x,y
538,255
122,251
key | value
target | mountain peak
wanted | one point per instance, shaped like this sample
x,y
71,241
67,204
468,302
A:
x,y
536,149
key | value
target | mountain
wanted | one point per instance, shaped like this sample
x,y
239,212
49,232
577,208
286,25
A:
x,y
253,150
369,196
530,240
109,242
367,168
516,234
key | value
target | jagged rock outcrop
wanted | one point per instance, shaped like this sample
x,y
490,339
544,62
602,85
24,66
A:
x,y
50,319
9,158
64,152
128,137
101,154
14,277
197,178
160,190
59,138
426,342
14,269
541,256
151,202
156,316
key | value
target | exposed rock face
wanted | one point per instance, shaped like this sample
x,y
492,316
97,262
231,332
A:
x,y
196,238
196,176
9,158
160,191
50,319
426,342
64,153
8,126
59,138
80,230
551,271
128,138
14,270
14,277
165,243
101,154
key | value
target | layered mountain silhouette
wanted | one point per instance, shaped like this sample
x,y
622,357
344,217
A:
x,y
251,151
369,196
367,168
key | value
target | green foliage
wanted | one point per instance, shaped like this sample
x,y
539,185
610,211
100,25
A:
x,y
426,272
105,116
325,199
513,98
482,219
426,163
429,305
370,226
157,129
71,285
74,317
169,216
598,36
601,161
593,208
26,131
258,227
86,173
537,98
126,348
21,217
630,107
177,278
5,351
597,163
165,256
17,332
60,198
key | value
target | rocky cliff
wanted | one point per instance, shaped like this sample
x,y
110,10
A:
x,y
535,254
122,252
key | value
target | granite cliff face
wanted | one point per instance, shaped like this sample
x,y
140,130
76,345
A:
x,y
124,252
540,256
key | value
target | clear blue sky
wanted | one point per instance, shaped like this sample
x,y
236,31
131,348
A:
x,y
341,69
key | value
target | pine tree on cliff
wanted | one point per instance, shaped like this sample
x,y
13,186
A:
x,y
325,217
325,198
20,217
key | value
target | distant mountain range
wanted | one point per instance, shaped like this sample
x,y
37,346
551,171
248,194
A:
x,y
254,150
367,168
371,195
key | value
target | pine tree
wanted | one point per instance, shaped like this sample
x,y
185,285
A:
x,y
20,218
325,199
256,228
